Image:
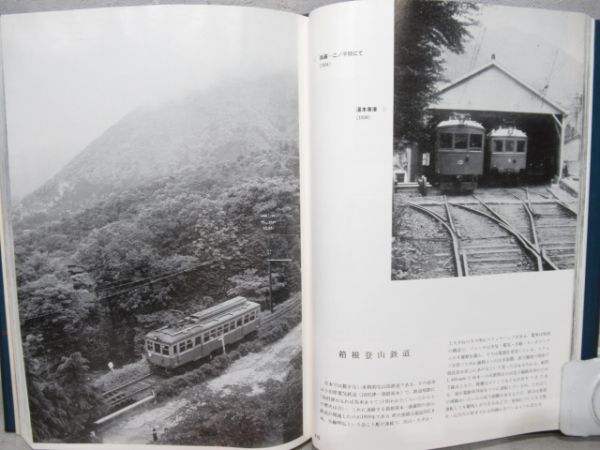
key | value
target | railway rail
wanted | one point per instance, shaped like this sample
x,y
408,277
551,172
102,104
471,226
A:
x,y
529,231
134,389
124,393
556,229
508,250
282,310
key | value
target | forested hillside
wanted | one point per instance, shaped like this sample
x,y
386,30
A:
x,y
159,217
214,126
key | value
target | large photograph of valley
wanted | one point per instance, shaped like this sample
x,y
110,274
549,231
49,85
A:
x,y
154,173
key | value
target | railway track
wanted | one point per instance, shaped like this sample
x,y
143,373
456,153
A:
x,y
420,229
496,245
556,226
136,388
549,195
282,310
129,391
500,233
444,254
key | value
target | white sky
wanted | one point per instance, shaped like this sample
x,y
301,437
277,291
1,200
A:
x,y
562,29
70,75
536,45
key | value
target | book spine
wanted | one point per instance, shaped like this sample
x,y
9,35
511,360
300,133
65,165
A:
x,y
591,307
7,392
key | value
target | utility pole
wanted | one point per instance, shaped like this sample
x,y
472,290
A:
x,y
223,344
270,261
270,285
269,223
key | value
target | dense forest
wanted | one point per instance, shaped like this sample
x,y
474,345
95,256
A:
x,y
94,277
238,420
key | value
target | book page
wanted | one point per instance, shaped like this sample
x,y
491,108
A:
x,y
448,145
152,226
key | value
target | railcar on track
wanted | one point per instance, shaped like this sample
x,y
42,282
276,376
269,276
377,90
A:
x,y
459,154
202,334
508,151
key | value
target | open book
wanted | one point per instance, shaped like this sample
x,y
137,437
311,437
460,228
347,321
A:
x,y
235,227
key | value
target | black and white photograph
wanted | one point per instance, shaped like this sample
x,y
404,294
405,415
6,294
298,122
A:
x,y
489,147
155,204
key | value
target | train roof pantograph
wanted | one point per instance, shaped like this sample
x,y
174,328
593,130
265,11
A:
x,y
507,132
460,123
203,320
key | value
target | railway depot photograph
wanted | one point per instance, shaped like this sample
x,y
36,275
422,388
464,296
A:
x,y
156,218
489,150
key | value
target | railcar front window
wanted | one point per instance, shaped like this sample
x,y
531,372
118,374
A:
x,y
182,347
476,142
165,350
498,148
461,141
149,345
175,349
509,146
445,140
521,146
157,348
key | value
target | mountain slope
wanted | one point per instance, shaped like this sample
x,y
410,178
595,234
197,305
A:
x,y
154,142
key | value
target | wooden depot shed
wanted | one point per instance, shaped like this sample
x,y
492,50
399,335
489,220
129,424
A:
x,y
494,97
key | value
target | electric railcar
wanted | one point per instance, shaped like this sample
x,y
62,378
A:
x,y
202,334
459,154
508,151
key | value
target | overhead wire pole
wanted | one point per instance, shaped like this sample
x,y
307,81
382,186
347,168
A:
x,y
270,286
270,223
270,261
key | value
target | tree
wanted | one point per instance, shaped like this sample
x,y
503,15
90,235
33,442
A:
x,y
62,402
233,419
291,403
423,30
253,286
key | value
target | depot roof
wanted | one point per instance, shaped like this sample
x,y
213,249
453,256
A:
x,y
494,88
